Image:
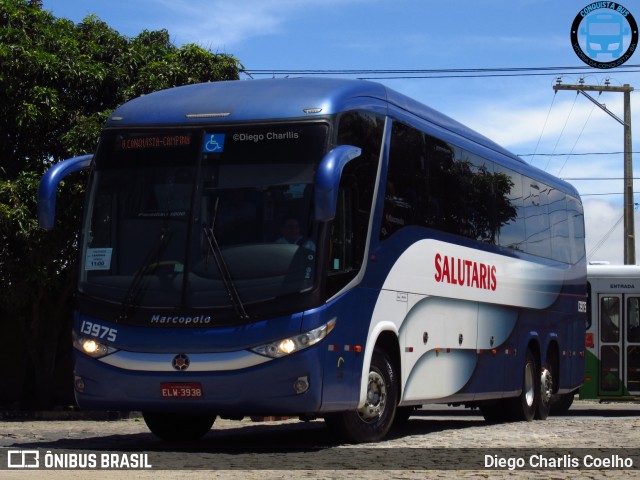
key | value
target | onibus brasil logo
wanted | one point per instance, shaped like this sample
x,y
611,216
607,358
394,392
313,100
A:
x,y
604,34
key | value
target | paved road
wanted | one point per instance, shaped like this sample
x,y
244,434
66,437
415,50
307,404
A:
x,y
433,444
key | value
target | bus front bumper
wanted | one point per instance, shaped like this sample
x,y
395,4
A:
x,y
290,385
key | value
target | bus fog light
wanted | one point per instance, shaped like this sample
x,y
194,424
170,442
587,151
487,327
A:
x,y
79,384
301,385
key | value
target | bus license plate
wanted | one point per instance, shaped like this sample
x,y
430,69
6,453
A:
x,y
181,390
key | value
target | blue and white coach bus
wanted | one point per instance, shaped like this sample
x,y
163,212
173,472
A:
x,y
319,248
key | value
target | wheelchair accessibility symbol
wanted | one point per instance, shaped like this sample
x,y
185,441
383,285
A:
x,y
213,143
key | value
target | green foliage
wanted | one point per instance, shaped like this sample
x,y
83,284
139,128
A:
x,y
60,81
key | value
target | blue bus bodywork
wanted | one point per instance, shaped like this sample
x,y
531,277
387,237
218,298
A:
x,y
376,313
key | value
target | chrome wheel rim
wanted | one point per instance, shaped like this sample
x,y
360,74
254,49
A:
x,y
376,398
546,386
529,392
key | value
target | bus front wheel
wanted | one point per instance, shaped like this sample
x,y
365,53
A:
x,y
176,427
373,421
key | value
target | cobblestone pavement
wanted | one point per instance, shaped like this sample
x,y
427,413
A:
x,y
450,437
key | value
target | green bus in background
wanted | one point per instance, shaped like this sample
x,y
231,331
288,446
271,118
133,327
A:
x,y
612,370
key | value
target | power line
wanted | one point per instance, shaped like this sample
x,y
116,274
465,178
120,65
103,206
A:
x,y
576,142
570,154
535,150
626,89
604,238
399,74
562,131
599,178
601,194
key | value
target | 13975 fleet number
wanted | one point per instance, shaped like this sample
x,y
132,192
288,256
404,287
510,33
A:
x,y
98,331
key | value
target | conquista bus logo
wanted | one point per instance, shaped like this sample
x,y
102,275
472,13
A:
x,y
604,34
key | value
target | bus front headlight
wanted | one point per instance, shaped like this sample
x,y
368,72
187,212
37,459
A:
x,y
286,346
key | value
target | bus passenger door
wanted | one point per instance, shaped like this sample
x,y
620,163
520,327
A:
x,y
632,345
609,319
619,350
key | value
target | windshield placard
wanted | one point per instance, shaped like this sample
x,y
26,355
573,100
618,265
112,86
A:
x,y
98,259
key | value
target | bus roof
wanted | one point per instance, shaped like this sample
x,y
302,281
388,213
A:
x,y
613,271
274,99
288,98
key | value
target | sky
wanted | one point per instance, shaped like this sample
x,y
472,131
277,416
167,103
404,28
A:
x,y
563,133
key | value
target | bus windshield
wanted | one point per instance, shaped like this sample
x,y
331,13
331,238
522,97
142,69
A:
x,y
202,219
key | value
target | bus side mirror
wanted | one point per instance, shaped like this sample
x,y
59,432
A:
x,y
49,184
328,180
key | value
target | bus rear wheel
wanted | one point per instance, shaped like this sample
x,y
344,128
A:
x,y
561,404
373,421
546,390
524,406
494,412
177,427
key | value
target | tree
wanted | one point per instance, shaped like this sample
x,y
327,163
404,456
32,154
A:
x,y
60,81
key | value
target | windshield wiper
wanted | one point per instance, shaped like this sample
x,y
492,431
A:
x,y
225,274
136,288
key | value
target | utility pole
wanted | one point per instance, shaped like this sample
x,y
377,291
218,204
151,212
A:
x,y
626,89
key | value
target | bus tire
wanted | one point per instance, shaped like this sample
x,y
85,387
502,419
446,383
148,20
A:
x,y
177,427
373,421
562,403
546,391
402,416
524,406
494,412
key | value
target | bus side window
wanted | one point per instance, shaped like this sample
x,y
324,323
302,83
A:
x,y
589,321
341,256
348,231
609,319
406,181
576,229
559,224
511,227
348,236
536,218
633,319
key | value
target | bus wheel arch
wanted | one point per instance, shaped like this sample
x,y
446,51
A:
x,y
388,342
372,421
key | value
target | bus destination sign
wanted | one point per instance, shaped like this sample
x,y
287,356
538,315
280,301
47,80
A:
x,y
143,142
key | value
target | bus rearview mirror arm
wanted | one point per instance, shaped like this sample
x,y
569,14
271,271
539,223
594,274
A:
x,y
49,184
328,180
